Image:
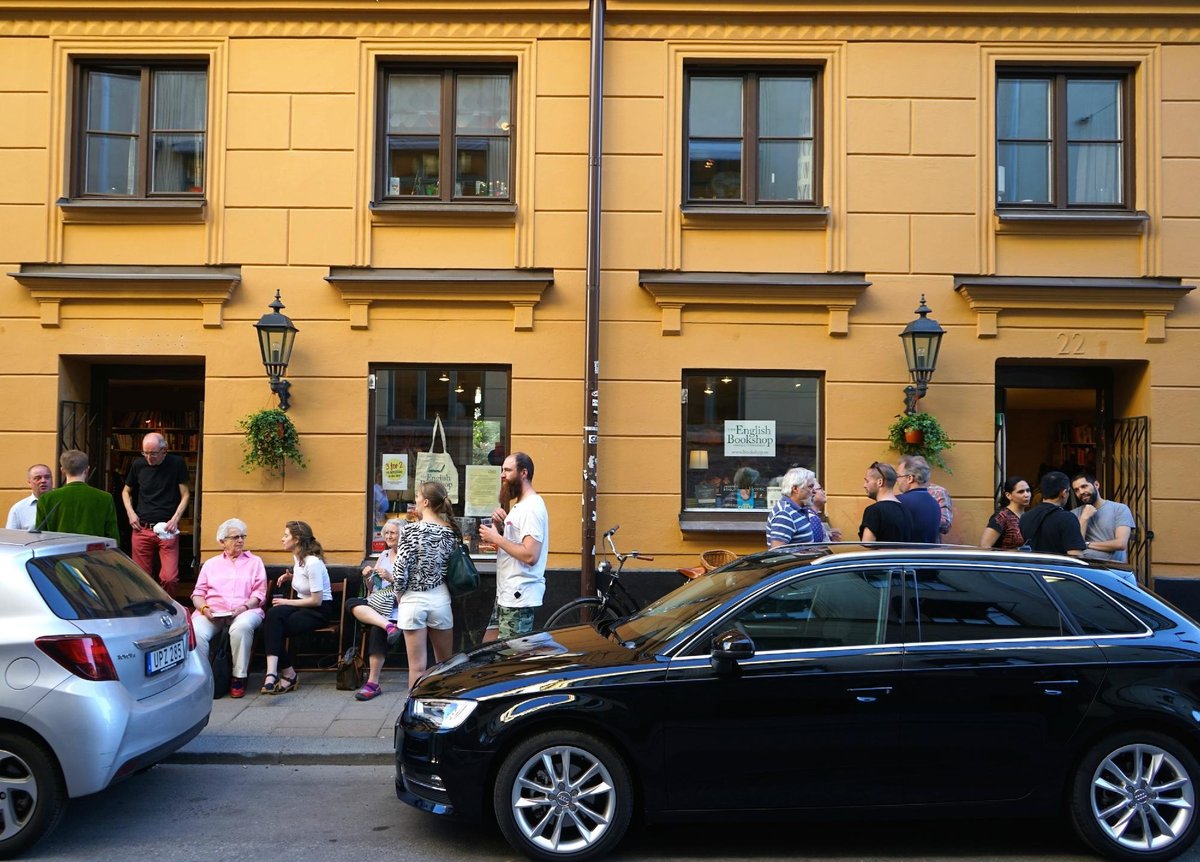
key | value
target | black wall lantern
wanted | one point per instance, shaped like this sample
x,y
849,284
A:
x,y
276,335
922,340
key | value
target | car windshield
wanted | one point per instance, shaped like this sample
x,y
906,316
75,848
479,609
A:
x,y
102,584
666,618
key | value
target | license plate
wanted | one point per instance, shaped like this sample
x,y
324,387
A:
x,y
166,657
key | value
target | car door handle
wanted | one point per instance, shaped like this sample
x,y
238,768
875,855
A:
x,y
869,695
1055,687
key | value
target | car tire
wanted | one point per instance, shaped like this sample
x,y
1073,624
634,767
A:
x,y
33,796
563,795
1134,797
578,612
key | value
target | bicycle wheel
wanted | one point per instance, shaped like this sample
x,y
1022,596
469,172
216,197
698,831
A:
x,y
581,611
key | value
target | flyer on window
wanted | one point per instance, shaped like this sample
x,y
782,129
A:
x,y
395,472
483,491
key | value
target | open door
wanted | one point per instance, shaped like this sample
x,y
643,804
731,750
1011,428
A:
x,y
1131,485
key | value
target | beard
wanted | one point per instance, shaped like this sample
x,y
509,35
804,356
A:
x,y
509,491
1085,498
873,493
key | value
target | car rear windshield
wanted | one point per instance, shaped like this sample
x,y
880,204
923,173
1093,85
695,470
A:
x,y
90,585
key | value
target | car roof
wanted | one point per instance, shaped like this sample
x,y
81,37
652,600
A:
x,y
28,541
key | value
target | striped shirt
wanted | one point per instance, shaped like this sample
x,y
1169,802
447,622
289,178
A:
x,y
788,523
421,555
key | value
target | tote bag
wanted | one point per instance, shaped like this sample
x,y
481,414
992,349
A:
x,y
438,466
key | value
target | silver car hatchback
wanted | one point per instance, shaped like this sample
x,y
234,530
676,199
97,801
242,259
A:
x,y
100,677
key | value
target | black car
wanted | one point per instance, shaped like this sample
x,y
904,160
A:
x,y
799,682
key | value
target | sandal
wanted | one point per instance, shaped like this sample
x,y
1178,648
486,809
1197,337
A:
x,y
287,683
270,687
369,691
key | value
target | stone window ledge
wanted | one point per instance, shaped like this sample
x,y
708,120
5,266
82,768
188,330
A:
x,y
117,211
1034,220
403,213
53,284
803,216
716,521
360,287
836,293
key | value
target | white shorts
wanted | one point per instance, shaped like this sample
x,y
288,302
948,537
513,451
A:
x,y
426,610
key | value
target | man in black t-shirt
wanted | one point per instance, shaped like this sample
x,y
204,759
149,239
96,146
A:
x,y
1048,527
885,520
158,481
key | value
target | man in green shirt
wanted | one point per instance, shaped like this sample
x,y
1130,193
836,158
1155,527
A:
x,y
77,507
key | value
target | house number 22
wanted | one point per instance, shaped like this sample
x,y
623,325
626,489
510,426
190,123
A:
x,y
1070,343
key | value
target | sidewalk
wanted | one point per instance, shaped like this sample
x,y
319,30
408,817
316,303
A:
x,y
314,724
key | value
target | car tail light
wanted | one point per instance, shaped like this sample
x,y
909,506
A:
x,y
83,655
191,631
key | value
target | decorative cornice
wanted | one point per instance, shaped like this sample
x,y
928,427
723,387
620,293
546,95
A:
x,y
837,293
1153,298
361,286
53,284
137,26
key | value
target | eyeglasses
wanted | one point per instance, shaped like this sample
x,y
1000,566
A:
x,y
240,538
149,452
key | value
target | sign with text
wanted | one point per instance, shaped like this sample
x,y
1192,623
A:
x,y
483,491
395,472
750,437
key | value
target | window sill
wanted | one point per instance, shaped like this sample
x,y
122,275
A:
x,y
723,521
808,216
1016,219
402,212
142,209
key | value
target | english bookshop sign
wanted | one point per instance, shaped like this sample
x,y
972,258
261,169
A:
x,y
750,438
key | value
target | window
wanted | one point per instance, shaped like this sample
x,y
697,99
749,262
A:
x,y
447,134
742,432
1063,139
974,605
1095,614
472,403
751,137
141,131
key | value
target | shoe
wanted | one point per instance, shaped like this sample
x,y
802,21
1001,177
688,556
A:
x,y
369,691
393,634
237,687
287,683
270,684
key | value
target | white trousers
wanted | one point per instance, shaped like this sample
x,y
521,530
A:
x,y
241,638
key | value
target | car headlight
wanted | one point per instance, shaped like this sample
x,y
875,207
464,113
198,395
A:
x,y
442,713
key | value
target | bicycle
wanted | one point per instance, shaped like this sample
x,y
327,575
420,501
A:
x,y
611,602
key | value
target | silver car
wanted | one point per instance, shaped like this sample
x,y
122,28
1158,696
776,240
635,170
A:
x,y
99,676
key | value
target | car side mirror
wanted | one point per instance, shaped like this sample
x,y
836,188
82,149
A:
x,y
728,648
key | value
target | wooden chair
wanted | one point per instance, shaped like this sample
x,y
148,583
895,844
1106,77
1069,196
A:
x,y
322,660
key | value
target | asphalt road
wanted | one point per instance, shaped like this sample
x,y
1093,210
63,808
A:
x,y
179,813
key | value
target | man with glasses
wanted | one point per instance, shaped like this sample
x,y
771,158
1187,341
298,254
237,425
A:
x,y
23,513
156,492
912,477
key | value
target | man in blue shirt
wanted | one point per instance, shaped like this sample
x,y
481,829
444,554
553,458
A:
x,y
789,521
912,477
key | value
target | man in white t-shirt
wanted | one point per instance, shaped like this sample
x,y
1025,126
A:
x,y
520,551
23,514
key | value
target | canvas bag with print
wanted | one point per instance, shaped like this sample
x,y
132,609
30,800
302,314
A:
x,y
438,466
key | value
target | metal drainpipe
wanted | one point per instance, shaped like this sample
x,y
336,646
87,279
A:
x,y
591,370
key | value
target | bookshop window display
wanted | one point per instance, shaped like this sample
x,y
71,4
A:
x,y
742,432
413,409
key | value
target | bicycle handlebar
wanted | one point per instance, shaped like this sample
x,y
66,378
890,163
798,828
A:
x,y
611,531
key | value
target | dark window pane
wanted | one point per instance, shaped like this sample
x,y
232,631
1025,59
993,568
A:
x,y
715,170
1023,173
482,105
1023,109
1095,613
96,585
178,163
110,165
179,100
785,171
715,108
481,167
1093,110
973,605
785,107
414,104
413,167
114,102
1094,174
839,609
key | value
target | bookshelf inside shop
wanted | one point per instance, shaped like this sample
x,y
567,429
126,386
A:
x,y
1074,447
180,429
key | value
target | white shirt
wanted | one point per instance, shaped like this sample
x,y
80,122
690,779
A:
x,y
519,585
23,514
310,577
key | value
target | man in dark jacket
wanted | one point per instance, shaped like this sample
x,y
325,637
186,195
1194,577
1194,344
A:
x,y
1048,527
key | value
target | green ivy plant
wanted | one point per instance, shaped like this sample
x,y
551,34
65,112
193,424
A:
x,y
271,441
934,440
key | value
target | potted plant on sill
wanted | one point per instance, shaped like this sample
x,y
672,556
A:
x,y
919,434
271,441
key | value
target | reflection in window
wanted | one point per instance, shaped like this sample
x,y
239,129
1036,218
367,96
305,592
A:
x,y
838,609
968,605
472,403
742,432
1095,613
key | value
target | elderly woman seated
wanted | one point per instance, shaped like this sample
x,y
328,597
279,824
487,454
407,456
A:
x,y
230,591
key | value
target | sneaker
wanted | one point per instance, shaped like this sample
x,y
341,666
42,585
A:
x,y
237,687
393,634
369,691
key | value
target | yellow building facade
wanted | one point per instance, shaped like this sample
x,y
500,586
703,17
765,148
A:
x,y
781,184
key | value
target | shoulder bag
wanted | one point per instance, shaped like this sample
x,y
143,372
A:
x,y
461,575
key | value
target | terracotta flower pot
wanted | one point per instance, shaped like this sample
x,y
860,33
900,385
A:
x,y
915,436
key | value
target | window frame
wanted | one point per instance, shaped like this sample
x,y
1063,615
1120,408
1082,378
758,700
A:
x,y
1059,76
447,148
147,68
751,134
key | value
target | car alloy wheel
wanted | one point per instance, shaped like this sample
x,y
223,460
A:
x,y
1137,793
563,795
32,795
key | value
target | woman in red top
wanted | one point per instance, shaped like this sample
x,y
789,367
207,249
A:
x,y
1003,531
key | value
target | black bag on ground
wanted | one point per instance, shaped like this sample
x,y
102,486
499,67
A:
x,y
220,657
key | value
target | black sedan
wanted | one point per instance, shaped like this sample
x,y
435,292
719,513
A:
x,y
796,682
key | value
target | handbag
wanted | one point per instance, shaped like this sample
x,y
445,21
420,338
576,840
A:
x,y
461,575
220,659
438,466
350,666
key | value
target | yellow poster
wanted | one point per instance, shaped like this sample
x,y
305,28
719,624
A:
x,y
395,472
483,491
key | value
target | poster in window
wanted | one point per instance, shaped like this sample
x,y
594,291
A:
x,y
395,472
483,491
754,438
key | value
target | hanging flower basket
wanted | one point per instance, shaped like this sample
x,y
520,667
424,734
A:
x,y
914,436
271,441
919,434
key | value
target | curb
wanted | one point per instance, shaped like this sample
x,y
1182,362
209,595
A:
x,y
307,751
